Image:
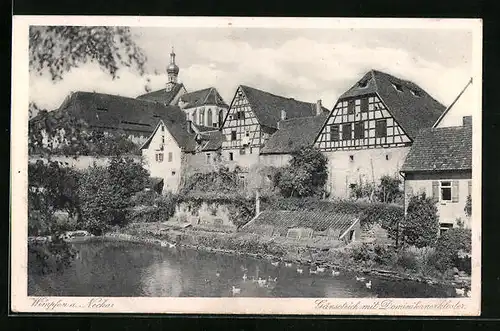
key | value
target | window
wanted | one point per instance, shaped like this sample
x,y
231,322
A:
x,y
169,156
387,157
469,187
162,139
231,158
233,135
350,107
445,191
240,115
363,83
209,118
173,173
162,128
416,93
221,117
380,128
247,134
202,117
351,158
346,131
334,132
364,105
159,157
102,109
215,124
445,227
208,157
398,87
194,116
242,151
359,130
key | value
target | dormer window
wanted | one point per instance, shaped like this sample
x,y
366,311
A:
x,y
102,109
416,93
363,83
398,87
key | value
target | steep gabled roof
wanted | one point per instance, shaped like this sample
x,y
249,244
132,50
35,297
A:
x,y
179,131
440,149
282,220
163,96
208,96
267,107
294,134
412,107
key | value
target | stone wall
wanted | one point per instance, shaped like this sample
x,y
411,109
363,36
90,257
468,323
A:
x,y
211,215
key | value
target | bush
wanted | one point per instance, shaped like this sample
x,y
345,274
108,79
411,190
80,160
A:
x,y
46,258
421,224
388,190
449,245
408,260
305,175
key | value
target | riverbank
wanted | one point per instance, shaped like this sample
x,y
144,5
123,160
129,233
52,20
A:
x,y
279,250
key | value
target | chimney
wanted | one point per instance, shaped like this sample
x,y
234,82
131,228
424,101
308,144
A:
x,y
257,202
467,121
319,107
189,126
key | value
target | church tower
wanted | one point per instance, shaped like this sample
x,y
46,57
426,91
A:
x,y
172,71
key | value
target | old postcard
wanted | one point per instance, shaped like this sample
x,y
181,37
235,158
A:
x,y
246,165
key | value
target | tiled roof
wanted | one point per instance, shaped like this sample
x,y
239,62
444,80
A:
x,y
105,111
294,134
211,140
208,96
178,130
438,149
267,107
282,220
202,128
412,112
162,95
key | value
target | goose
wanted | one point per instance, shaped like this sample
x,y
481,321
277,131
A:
x,y
300,270
460,291
320,269
217,273
236,290
335,273
172,245
245,277
360,279
288,264
269,279
261,281
275,263
311,272
369,284
163,244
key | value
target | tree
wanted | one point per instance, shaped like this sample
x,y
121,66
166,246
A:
x,y
421,224
57,49
449,245
106,193
468,206
388,190
305,175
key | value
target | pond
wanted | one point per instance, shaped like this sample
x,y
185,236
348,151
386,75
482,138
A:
x,y
118,269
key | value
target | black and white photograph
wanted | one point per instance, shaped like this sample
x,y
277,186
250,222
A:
x,y
246,165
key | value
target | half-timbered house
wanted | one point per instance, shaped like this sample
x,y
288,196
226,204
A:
x,y
253,116
371,128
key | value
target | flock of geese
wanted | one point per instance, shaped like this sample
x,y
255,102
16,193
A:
x,y
262,282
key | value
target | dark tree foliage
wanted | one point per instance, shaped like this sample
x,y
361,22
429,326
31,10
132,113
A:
x,y
305,175
57,49
449,245
468,206
388,190
106,193
421,224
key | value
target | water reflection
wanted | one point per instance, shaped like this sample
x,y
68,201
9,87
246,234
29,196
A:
x,y
126,269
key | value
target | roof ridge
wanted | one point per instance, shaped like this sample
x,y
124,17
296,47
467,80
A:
x,y
276,95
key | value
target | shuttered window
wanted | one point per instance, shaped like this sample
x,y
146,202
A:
x,y
435,190
359,130
347,131
380,128
445,191
334,132
454,191
350,107
364,105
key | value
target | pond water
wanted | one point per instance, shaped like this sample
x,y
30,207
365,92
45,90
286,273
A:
x,y
127,269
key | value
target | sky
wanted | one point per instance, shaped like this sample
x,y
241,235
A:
x,y
306,64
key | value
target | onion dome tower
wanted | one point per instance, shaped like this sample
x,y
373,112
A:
x,y
172,70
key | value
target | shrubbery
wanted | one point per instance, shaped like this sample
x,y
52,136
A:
x,y
421,224
45,258
449,245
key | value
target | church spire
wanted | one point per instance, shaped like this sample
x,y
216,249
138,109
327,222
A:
x,y
172,69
